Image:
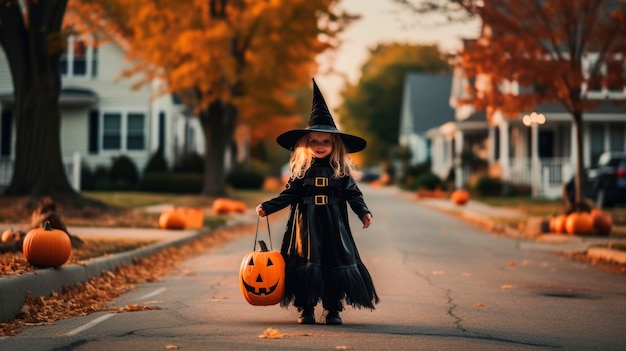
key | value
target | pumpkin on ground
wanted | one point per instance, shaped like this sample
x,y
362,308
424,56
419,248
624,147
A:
x,y
559,224
224,205
192,216
10,235
171,219
47,247
460,197
262,277
602,222
579,223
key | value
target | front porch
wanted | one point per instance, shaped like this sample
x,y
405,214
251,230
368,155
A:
x,y
540,156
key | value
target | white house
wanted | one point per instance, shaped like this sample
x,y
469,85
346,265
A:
x,y
425,104
539,153
102,116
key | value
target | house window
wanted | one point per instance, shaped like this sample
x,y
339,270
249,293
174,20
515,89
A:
x,y
80,59
616,135
112,131
596,143
123,131
135,138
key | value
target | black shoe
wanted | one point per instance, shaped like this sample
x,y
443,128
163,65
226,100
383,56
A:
x,y
307,316
332,318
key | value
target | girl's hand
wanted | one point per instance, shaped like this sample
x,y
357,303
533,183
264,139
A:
x,y
259,211
367,220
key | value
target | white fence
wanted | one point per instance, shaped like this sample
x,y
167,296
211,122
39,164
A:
x,y
72,171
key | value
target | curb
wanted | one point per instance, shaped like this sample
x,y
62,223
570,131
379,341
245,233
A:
x,y
607,254
487,224
14,289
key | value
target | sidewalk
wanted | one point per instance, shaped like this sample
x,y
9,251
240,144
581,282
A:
x,y
487,217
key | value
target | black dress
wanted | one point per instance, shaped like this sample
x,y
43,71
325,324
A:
x,y
322,261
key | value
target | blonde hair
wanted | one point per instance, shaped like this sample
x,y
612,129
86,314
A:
x,y
301,159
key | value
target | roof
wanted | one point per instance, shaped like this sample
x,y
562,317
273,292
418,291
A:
x,y
67,97
427,100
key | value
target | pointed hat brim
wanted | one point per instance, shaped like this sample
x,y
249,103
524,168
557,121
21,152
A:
x,y
289,139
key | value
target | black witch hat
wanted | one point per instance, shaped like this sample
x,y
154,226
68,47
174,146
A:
x,y
320,121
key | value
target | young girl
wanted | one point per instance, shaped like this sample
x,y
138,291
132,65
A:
x,y
320,253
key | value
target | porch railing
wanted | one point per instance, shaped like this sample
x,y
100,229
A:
x,y
550,176
72,171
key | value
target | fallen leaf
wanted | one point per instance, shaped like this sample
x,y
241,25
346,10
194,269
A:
x,y
480,304
171,347
271,333
511,264
507,286
343,347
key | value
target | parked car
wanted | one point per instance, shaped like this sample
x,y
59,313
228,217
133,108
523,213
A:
x,y
605,184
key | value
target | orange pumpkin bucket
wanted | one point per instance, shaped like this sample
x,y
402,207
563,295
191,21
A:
x,y
262,274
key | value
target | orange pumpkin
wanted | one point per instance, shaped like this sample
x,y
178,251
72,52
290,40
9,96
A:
x,y
459,197
602,222
579,223
10,235
224,205
47,247
559,223
171,219
262,277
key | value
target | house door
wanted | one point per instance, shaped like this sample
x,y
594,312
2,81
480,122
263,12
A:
x,y
546,144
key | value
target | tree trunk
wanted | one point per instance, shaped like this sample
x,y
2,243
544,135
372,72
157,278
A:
x,y
33,49
578,180
218,124
38,170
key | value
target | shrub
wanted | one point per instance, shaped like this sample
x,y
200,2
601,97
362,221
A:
x,y
428,181
245,178
177,183
190,162
87,178
488,186
156,163
123,173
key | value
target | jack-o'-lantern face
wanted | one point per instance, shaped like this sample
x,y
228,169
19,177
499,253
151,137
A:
x,y
262,277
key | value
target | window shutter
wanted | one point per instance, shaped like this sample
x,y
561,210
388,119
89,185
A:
x,y
6,126
94,116
162,130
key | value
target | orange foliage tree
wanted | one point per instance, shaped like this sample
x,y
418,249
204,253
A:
x,y
553,49
233,61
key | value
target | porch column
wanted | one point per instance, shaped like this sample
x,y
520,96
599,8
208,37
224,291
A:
x,y
504,150
535,181
573,160
459,178
491,146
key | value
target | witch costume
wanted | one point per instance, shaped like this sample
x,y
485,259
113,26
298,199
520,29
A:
x,y
322,261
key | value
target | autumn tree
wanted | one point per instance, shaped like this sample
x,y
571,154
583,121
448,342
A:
x,y
231,60
372,106
32,41
554,50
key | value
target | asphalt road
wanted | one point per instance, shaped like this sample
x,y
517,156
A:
x,y
444,285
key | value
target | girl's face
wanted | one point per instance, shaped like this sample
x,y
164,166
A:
x,y
320,144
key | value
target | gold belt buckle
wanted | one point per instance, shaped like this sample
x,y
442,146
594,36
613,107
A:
x,y
321,181
320,199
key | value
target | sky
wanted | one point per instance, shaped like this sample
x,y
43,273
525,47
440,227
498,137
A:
x,y
384,21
